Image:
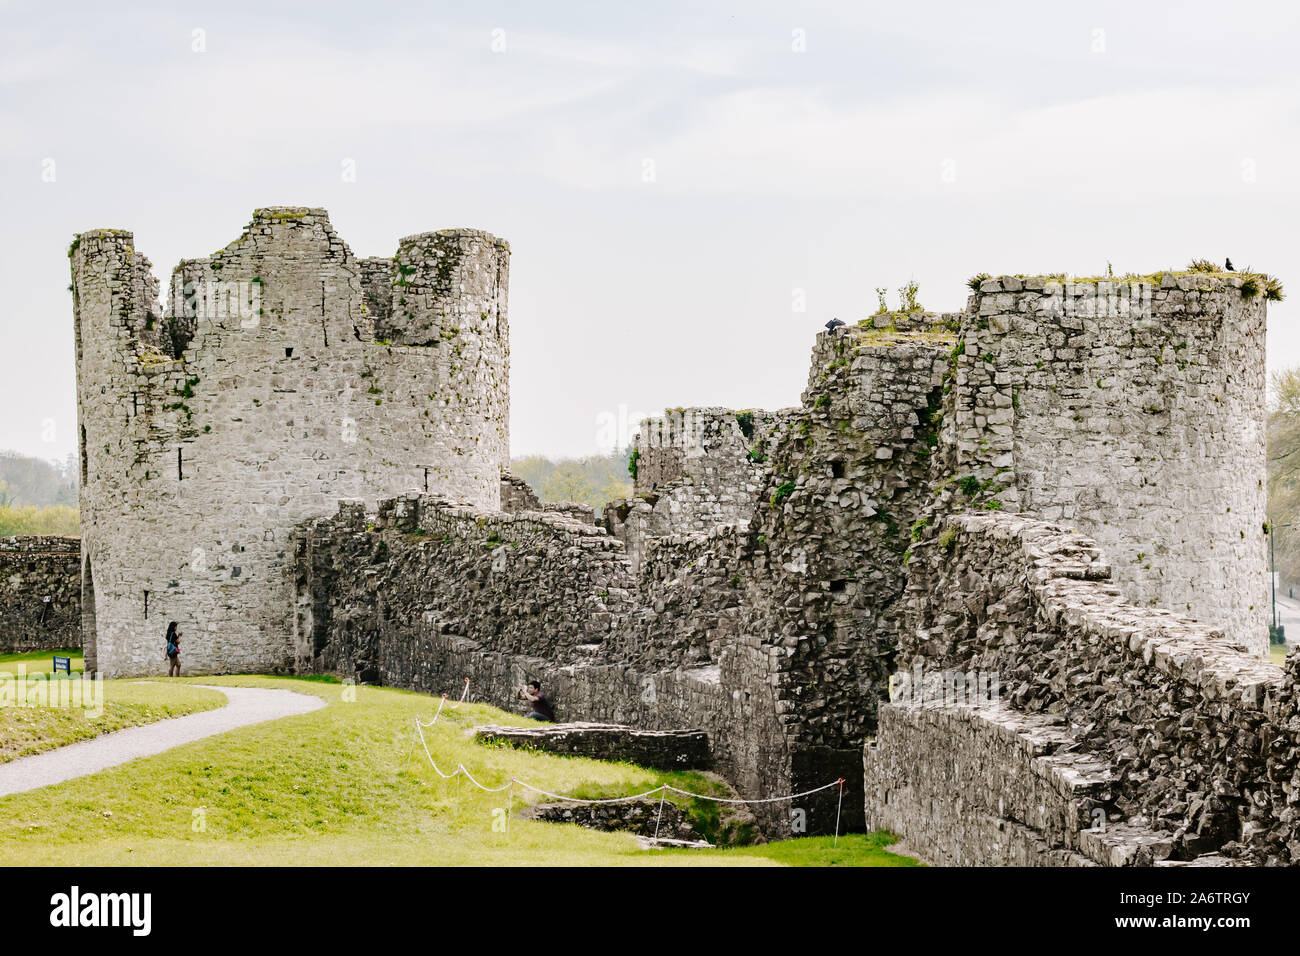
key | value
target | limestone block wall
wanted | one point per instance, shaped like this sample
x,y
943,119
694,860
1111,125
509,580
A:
x,y
427,593
846,484
517,495
40,593
775,628
1132,411
1196,736
701,467
278,400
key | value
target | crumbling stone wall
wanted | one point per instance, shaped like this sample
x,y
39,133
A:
x,y
662,749
767,631
429,593
695,469
517,495
845,484
1132,410
272,396
1161,737
40,600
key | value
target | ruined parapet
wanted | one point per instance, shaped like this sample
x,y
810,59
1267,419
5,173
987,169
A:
x,y
716,448
846,483
1132,410
517,495
261,399
1057,748
701,467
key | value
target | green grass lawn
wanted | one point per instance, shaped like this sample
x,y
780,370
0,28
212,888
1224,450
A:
x,y
30,730
336,787
1277,653
41,662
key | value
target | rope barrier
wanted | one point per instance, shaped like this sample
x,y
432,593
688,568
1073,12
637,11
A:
x,y
463,771
456,706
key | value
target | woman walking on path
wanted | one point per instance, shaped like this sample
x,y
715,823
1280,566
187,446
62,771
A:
x,y
173,650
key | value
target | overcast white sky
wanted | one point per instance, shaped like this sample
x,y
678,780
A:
x,y
921,140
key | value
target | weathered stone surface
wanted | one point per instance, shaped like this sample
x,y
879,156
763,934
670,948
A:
x,y
645,818
1135,415
40,593
661,749
773,568
1192,737
284,377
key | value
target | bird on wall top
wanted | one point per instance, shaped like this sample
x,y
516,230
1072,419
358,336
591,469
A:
x,y
1227,264
832,325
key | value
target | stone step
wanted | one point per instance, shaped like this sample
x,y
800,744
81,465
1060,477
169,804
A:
x,y
985,783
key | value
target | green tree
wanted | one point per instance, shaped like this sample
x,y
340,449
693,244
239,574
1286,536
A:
x,y
1284,472
568,482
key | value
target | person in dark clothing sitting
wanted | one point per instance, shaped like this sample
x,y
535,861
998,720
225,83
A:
x,y
541,707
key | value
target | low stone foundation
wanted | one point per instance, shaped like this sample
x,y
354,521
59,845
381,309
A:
x,y
660,749
645,818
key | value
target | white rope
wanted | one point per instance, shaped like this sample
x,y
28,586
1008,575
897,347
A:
x,y
662,789
463,693
461,768
423,743
435,716
757,800
560,796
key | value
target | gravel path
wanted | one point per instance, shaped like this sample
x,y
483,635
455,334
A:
x,y
246,705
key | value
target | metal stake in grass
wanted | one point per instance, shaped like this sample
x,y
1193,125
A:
x,y
836,841
510,805
663,793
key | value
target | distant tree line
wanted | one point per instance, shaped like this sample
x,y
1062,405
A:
x,y
595,480
38,496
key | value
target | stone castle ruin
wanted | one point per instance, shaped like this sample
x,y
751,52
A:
x,y
284,375
1054,498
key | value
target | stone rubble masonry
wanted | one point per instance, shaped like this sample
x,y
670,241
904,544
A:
x,y
1061,486
292,375
40,600
1135,413
651,819
769,632
661,749
431,592
1180,740
696,469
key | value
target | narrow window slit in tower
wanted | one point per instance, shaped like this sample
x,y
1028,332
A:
x,y
426,479
180,470
288,353
146,605
135,403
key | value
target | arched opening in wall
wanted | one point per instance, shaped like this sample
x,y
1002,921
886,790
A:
x,y
89,635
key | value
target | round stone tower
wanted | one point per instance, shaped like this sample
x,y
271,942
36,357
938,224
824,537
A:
x,y
285,376
1133,411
